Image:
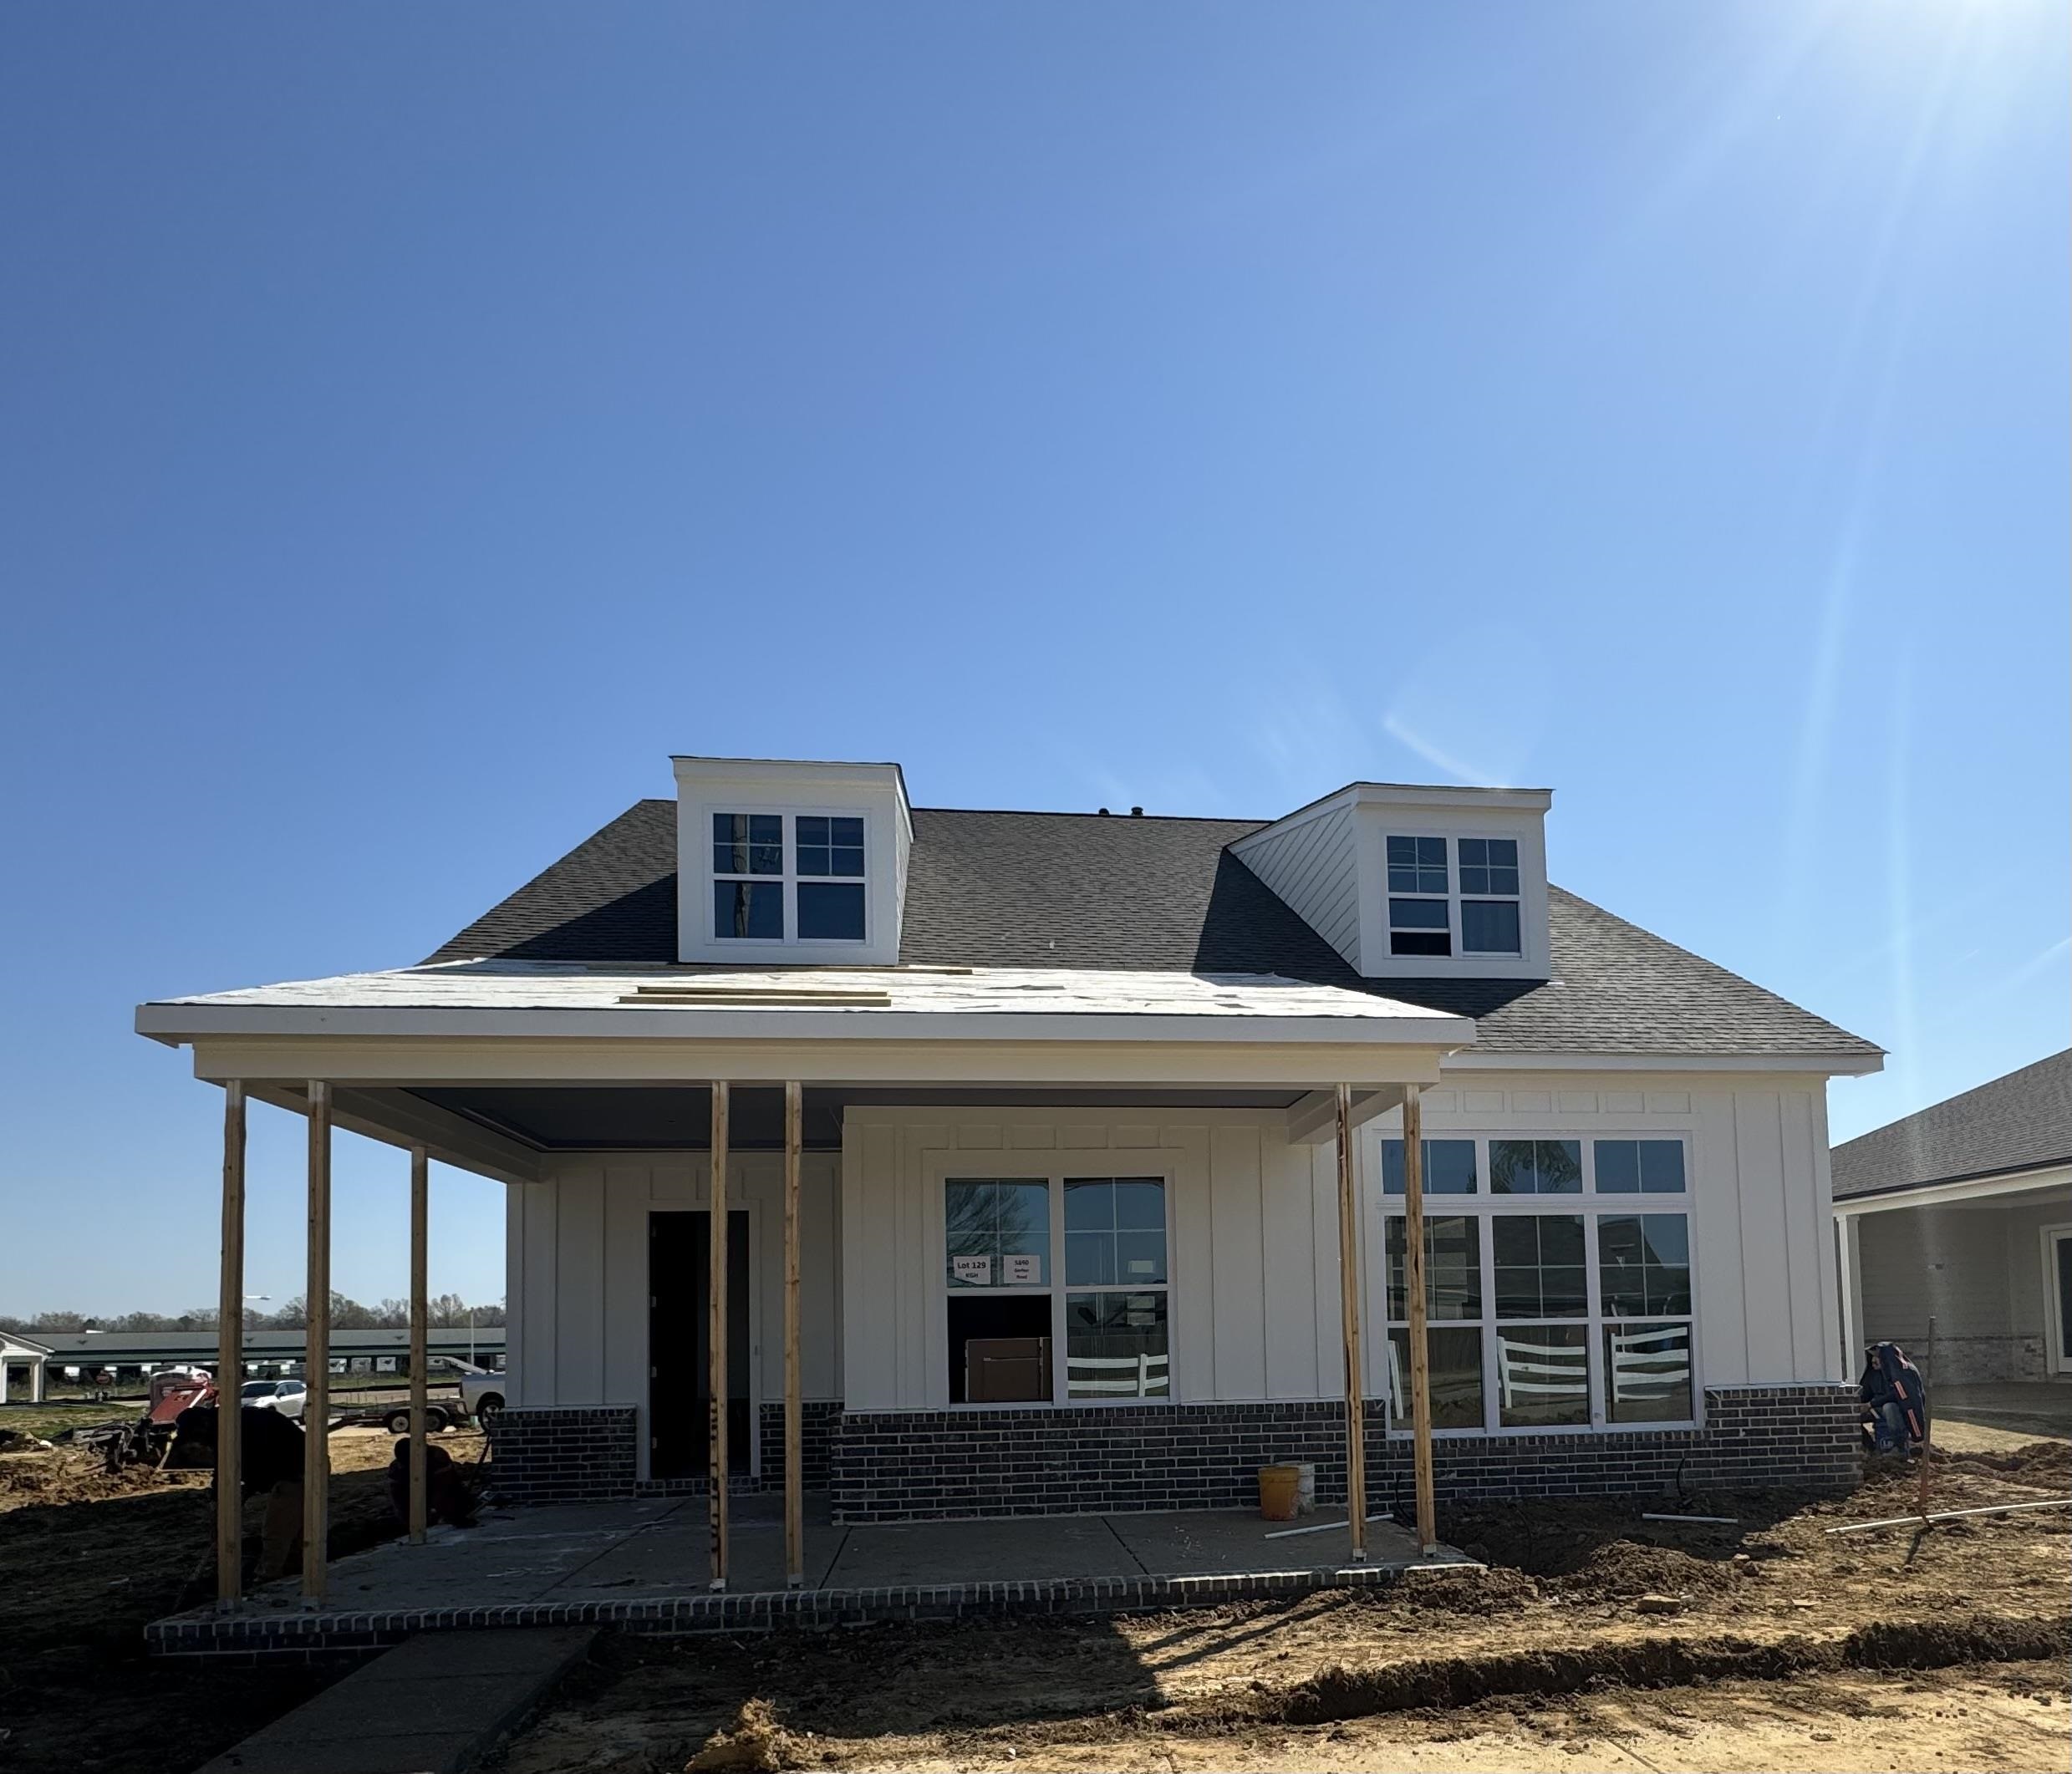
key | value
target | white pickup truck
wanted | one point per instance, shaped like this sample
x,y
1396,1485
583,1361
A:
x,y
481,1391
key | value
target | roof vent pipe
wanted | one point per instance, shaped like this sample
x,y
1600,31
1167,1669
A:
x,y
1136,812
1103,811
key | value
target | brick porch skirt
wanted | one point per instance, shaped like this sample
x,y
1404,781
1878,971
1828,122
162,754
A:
x,y
890,1466
902,1465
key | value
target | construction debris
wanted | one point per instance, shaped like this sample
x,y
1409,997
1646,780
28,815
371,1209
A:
x,y
1949,1515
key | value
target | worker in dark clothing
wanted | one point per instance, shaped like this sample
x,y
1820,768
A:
x,y
447,1498
272,1449
1895,1402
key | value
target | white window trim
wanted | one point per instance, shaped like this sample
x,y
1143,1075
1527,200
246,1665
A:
x,y
1456,932
1462,897
1100,1165
2057,1360
788,880
1592,1204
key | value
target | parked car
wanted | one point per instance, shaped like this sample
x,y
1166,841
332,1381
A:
x,y
286,1397
481,1391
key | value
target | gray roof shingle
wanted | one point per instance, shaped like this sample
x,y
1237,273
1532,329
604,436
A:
x,y
1078,890
2020,1122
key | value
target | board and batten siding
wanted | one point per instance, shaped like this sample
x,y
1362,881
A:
x,y
1250,1217
577,1278
1765,1297
1312,865
1254,1256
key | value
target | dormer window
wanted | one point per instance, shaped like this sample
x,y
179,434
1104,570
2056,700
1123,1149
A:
x,y
831,903
1420,914
1489,897
1425,913
780,878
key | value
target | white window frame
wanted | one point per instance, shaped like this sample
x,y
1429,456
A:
x,y
1102,1166
2058,1359
1450,899
1591,1205
1455,897
1462,897
787,880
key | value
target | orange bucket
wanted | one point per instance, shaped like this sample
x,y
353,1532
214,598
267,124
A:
x,y
1279,1490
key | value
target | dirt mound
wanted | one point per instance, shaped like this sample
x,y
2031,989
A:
x,y
1624,1569
1340,1693
63,1477
1462,1592
754,1741
2035,1462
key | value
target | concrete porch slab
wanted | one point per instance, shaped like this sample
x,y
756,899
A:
x,y
643,1566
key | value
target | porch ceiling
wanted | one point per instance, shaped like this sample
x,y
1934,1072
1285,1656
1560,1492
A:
x,y
651,1118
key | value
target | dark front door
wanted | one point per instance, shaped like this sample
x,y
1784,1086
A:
x,y
2064,1254
679,1255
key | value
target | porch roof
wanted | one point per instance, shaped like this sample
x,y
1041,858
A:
x,y
479,999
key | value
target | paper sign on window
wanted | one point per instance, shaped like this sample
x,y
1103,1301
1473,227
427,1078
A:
x,y
973,1271
1021,1271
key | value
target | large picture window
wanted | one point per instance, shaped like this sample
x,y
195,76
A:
x,y
1019,1332
1540,1319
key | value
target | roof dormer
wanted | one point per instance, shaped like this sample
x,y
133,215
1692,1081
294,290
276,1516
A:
x,y
1407,882
783,863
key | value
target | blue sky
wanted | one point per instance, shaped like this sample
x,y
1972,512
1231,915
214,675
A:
x,y
420,421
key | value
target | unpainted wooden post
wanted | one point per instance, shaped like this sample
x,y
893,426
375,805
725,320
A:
x,y
1414,1306
794,1436
715,1336
420,1341
229,1358
1349,1310
317,1360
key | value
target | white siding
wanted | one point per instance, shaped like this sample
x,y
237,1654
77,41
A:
x,y
577,1266
1251,1221
1763,1286
1312,866
1254,1236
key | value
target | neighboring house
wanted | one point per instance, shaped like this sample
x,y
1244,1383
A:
x,y
1962,1215
21,1363
1070,1084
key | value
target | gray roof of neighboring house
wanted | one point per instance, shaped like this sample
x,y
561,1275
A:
x,y
1080,890
2020,1122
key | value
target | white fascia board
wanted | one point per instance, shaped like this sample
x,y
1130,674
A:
x,y
1424,795
1944,1194
1831,1065
853,1064
178,1023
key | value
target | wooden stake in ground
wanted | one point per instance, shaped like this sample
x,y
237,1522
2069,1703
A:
x,y
1927,1433
317,1352
794,1438
420,1192
1414,1303
229,1358
715,1336
1349,1313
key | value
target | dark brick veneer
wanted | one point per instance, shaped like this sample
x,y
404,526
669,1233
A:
x,y
564,1453
893,1466
897,1465
570,1452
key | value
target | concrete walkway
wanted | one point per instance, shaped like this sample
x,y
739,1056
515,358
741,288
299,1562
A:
x,y
434,1705
643,1563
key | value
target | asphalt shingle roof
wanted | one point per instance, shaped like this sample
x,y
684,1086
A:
x,y
1075,890
2020,1122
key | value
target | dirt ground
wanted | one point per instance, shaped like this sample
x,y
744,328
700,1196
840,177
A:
x,y
1594,1639
86,1560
